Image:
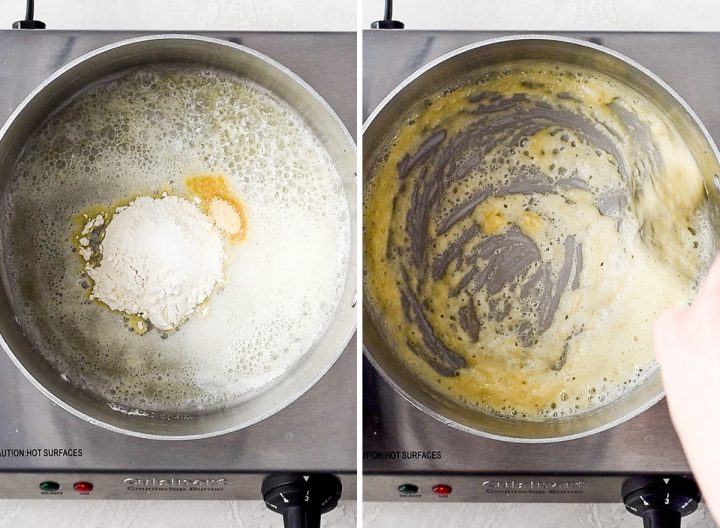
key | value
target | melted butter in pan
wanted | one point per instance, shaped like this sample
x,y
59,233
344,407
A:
x,y
520,239
219,202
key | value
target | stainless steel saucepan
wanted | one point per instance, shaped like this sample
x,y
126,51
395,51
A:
x,y
194,51
459,64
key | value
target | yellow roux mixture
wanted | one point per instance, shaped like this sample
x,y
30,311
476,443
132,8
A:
x,y
636,261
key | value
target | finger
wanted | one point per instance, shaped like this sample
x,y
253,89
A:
x,y
665,333
710,287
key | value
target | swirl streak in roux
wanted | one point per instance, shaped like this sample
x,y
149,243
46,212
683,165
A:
x,y
489,221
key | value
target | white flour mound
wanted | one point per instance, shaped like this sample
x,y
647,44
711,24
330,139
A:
x,y
161,257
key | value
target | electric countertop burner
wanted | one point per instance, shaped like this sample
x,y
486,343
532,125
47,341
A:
x,y
410,456
46,452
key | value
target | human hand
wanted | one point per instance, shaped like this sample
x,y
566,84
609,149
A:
x,y
687,346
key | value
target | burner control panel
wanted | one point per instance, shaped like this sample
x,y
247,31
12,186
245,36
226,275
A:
x,y
185,486
493,488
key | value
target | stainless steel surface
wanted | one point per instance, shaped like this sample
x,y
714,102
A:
x,y
144,485
496,488
315,433
684,62
193,50
399,438
428,80
401,444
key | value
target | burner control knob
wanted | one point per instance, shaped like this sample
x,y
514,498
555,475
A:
x,y
387,22
660,502
301,498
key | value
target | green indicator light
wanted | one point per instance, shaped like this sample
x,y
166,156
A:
x,y
407,488
49,485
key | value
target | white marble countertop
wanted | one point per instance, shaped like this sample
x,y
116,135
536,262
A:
x,y
551,15
377,515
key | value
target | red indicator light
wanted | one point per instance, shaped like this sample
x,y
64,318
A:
x,y
442,489
83,487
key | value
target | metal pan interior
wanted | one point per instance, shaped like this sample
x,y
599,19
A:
x,y
160,418
380,130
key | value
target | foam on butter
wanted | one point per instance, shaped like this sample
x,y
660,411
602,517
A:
x,y
150,130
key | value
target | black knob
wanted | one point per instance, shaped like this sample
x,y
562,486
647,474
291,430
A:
x,y
387,22
301,498
660,502
29,22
